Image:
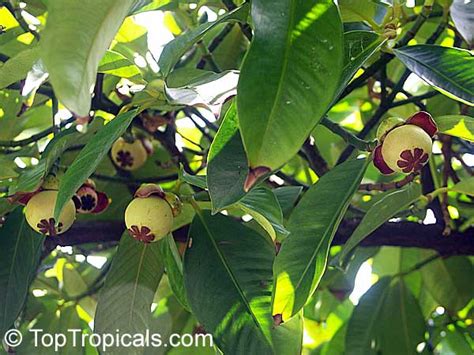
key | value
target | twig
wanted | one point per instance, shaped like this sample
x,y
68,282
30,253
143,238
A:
x,y
372,123
317,163
385,58
388,185
208,57
18,16
35,137
246,30
215,43
414,99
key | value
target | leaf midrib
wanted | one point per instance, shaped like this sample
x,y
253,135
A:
x,y
135,285
93,42
18,239
284,70
333,221
231,275
438,73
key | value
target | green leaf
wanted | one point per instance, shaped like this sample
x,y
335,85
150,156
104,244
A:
x,y
17,67
450,70
207,88
457,126
20,251
228,277
288,336
262,204
175,49
117,64
359,46
227,167
312,226
287,196
379,213
401,325
466,186
174,269
31,178
358,10
126,298
76,37
362,327
289,76
90,157
449,281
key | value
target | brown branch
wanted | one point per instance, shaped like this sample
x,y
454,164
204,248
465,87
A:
x,y
401,234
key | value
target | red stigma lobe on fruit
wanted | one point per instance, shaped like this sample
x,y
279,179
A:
x,y
142,234
412,161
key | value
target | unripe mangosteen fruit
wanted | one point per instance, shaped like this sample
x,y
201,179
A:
x,y
130,155
39,213
149,217
405,147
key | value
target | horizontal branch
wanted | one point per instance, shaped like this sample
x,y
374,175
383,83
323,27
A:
x,y
400,234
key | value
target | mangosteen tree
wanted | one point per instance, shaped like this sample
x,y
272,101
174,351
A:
x,y
250,177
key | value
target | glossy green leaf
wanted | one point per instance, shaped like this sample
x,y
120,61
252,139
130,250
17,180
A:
x,y
449,281
456,125
287,197
175,49
262,204
126,298
288,336
465,186
390,261
312,226
380,212
450,70
227,167
228,288
76,37
462,13
116,64
454,342
174,269
90,157
17,67
31,178
289,76
401,325
359,46
20,251
207,88
358,10
362,329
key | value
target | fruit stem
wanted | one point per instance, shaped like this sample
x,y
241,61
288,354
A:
x,y
349,137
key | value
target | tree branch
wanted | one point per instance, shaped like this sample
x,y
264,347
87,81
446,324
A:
x,y
400,234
